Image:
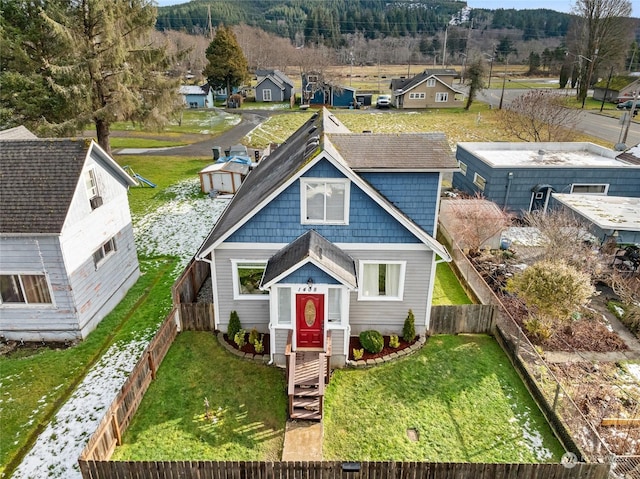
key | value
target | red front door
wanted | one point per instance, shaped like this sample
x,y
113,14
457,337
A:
x,y
310,320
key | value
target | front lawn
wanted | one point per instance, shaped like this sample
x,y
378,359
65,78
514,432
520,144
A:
x,y
247,408
458,396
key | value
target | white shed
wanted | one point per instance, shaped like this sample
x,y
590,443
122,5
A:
x,y
223,177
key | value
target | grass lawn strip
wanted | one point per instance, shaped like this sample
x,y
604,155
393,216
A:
x,y
447,289
247,412
35,386
459,393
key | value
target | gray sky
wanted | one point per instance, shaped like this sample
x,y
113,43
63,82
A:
x,y
559,5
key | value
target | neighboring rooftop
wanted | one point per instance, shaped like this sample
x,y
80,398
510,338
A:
x,y
606,212
17,133
548,155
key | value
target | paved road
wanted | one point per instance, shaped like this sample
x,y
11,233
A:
x,y
592,123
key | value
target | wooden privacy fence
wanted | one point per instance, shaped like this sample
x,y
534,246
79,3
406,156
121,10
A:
x,y
197,317
464,318
108,435
186,287
335,470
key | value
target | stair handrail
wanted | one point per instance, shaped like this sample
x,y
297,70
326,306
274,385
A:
x,y
290,357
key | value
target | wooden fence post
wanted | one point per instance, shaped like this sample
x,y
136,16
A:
x,y
152,366
555,398
116,428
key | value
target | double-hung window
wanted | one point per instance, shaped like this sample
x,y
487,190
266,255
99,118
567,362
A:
x,y
325,201
91,184
105,250
266,95
431,82
382,280
246,279
479,181
22,289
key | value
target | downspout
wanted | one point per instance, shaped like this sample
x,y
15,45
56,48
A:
x,y
506,195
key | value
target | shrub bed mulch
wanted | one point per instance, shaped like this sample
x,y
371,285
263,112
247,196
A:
x,y
250,348
354,343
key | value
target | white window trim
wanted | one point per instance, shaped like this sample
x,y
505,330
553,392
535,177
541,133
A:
x,y
344,304
94,190
105,254
604,193
362,297
475,181
236,280
463,167
51,305
275,293
442,97
431,82
266,93
303,200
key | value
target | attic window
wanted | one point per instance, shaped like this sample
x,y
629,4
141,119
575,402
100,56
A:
x,y
312,78
431,82
91,184
324,201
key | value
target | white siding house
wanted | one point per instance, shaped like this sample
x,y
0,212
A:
x,y
67,253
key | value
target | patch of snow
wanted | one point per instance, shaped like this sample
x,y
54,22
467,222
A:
x,y
634,370
526,236
56,451
534,441
179,226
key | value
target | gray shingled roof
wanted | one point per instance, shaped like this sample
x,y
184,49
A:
x,y
312,246
409,151
405,84
270,173
17,133
37,182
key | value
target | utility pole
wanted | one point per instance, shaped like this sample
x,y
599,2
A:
x,y
606,90
504,81
444,47
209,22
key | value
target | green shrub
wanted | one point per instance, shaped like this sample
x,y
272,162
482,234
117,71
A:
x,y
258,344
394,341
239,338
372,341
358,353
538,328
253,335
409,328
234,325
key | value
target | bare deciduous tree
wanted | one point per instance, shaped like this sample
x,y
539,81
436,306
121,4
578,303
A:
x,y
601,36
540,115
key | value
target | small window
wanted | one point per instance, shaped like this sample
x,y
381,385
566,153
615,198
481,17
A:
x,y
463,167
104,251
539,195
246,279
382,281
266,95
312,78
442,97
479,181
284,305
431,82
334,299
590,189
24,289
325,201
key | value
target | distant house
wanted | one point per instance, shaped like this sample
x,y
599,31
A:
x,y
521,177
608,216
429,89
67,252
317,91
333,232
273,85
195,96
621,88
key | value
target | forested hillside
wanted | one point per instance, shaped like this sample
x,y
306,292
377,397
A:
x,y
326,22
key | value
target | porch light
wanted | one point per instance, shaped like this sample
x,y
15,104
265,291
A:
x,y
310,283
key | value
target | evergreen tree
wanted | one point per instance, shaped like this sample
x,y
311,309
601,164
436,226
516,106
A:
x,y
227,66
475,73
105,69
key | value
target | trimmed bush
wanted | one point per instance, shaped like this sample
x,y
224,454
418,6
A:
x,y
240,339
394,341
372,341
358,353
409,328
253,335
234,325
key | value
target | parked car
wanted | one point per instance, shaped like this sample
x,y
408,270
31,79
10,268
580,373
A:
x,y
627,105
383,101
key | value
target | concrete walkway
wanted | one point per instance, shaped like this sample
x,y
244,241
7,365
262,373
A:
x,y
303,441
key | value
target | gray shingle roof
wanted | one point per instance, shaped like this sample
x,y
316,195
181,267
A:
x,y
37,182
17,133
406,151
311,245
405,84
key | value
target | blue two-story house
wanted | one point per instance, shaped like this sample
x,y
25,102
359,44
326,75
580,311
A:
x,y
334,231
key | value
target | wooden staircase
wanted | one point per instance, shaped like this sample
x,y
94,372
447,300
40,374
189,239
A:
x,y
307,374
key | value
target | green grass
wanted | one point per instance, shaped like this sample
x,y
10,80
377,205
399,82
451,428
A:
x,y
247,402
277,128
447,288
136,142
459,392
194,121
35,386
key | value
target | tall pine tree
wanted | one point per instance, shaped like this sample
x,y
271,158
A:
x,y
226,64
